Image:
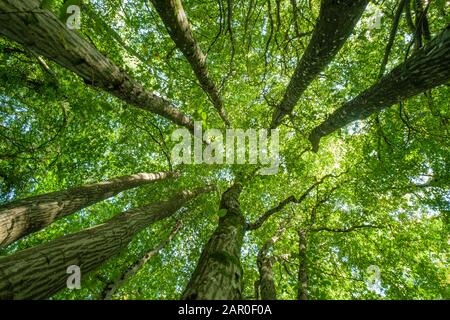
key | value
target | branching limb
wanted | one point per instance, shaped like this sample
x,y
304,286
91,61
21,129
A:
x,y
335,24
291,199
427,68
174,17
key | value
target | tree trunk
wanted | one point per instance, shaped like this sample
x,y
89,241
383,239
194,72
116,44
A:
x,y
22,217
42,32
112,286
265,267
427,68
177,25
302,270
218,274
334,25
41,271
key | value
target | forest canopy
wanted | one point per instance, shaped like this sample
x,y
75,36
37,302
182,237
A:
x,y
351,97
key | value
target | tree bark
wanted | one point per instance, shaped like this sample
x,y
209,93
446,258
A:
x,y
22,217
427,68
336,21
392,34
174,18
266,281
218,274
40,272
42,32
302,270
113,285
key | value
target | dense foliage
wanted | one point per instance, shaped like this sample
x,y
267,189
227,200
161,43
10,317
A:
x,y
390,172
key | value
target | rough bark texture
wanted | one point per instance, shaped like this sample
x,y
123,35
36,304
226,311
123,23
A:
x,y
40,272
266,282
302,269
218,274
177,24
115,284
22,217
42,32
336,21
427,68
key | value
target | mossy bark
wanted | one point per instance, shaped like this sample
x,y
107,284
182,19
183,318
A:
x,y
218,274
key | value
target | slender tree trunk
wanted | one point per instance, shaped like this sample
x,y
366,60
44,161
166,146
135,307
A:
x,y
302,270
41,271
42,32
113,285
265,267
427,68
22,217
265,262
218,274
173,15
335,24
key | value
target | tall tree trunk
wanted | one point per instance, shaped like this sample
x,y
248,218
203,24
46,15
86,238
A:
x,y
113,285
266,281
22,217
174,17
302,269
264,261
427,68
41,271
334,25
42,32
218,274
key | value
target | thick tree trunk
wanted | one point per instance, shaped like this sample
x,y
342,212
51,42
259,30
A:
x,y
302,270
42,32
265,267
22,217
115,284
174,18
218,274
336,21
40,272
427,68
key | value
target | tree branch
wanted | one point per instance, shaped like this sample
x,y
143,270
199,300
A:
x,y
291,199
392,34
427,68
22,21
112,286
334,25
174,17
343,230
